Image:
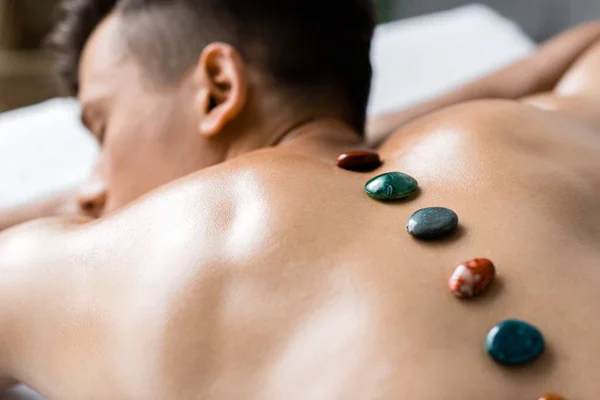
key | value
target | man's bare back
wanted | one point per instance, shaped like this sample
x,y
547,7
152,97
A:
x,y
275,276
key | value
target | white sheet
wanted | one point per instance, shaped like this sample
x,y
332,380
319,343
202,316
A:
x,y
44,148
419,58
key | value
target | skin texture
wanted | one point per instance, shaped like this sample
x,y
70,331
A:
x,y
273,275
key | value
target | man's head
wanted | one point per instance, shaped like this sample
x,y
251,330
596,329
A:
x,y
172,86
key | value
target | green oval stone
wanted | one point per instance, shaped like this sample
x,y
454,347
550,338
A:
x,y
391,186
514,342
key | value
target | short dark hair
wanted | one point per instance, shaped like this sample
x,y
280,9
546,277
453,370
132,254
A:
x,y
301,44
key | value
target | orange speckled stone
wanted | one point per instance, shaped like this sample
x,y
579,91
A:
x,y
472,278
359,161
551,396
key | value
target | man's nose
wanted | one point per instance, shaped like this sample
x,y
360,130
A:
x,y
92,198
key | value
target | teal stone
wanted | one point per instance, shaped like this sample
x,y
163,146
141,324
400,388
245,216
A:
x,y
514,342
391,186
432,223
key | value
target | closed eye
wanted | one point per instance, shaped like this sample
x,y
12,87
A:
x,y
100,134
94,127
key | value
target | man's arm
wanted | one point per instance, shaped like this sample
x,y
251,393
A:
x,y
535,74
60,204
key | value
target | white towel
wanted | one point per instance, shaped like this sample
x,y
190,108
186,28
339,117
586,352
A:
x,y
44,148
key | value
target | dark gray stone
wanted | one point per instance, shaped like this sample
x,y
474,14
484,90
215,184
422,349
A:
x,y
432,223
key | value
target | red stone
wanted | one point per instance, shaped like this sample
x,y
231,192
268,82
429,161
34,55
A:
x,y
551,396
359,161
472,278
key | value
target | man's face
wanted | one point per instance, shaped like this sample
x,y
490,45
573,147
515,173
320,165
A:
x,y
148,134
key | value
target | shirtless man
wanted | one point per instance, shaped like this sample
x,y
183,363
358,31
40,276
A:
x,y
273,275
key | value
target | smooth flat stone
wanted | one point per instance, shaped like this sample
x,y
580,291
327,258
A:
x,y
359,161
391,186
432,223
551,396
514,342
472,278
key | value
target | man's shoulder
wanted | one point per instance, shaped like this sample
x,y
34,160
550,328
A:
x,y
269,160
264,169
271,178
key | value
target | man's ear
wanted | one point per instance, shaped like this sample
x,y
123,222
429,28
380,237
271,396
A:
x,y
221,78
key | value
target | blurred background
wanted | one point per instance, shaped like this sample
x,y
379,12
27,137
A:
x,y
26,71
540,19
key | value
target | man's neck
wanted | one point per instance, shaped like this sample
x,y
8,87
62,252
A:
x,y
317,137
323,139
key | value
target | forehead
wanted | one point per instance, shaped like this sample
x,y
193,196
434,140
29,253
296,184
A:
x,y
104,65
